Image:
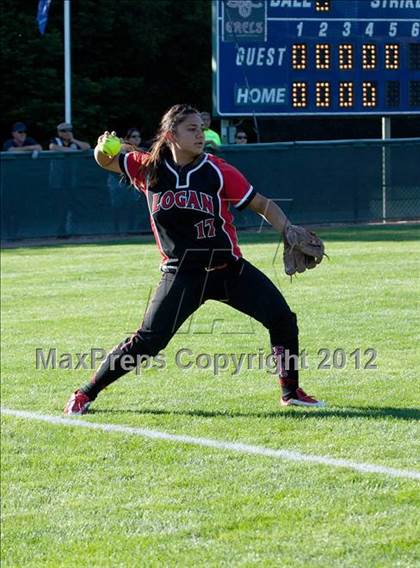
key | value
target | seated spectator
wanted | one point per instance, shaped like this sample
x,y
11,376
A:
x,y
64,179
241,137
211,137
20,142
65,141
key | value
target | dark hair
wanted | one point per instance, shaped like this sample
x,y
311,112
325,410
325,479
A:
x,y
130,132
130,147
160,147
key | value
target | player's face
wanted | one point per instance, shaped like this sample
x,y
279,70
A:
x,y
188,137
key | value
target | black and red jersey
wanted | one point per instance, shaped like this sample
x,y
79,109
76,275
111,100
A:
x,y
189,209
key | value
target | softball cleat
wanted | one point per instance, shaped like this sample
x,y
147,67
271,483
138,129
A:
x,y
78,404
300,398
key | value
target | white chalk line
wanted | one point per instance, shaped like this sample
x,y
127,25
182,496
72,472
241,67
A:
x,y
217,444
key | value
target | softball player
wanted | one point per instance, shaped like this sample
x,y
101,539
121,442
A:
x,y
189,193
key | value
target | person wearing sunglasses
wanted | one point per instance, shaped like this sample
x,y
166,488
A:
x,y
241,137
64,179
20,142
125,201
65,141
132,140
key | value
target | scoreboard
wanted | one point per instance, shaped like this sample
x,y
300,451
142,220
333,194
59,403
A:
x,y
316,57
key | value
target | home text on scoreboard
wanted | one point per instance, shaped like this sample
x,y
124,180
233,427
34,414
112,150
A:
x,y
316,57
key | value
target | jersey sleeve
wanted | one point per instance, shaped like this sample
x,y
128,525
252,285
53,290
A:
x,y
131,165
236,188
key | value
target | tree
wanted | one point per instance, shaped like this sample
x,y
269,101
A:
x,y
131,60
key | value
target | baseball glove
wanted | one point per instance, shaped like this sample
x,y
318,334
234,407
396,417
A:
x,y
302,249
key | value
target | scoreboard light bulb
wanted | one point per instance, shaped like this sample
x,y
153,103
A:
x,y
392,56
346,94
299,94
345,56
369,94
322,5
299,56
369,56
323,98
322,56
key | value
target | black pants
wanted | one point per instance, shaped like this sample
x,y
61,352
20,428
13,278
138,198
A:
x,y
179,295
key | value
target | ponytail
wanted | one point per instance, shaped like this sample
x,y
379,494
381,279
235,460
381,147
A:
x,y
160,147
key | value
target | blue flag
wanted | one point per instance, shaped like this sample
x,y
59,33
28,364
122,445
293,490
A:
x,y
42,16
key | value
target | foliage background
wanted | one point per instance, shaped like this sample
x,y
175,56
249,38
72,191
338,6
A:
x,y
128,63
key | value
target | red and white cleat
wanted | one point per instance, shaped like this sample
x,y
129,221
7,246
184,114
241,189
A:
x,y
78,403
300,398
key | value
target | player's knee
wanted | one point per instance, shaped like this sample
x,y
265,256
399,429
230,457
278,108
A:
x,y
146,343
286,324
290,324
293,323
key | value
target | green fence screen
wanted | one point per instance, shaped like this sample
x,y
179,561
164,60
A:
x,y
52,194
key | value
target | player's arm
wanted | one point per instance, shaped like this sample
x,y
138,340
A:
x,y
270,211
106,162
82,145
31,148
57,148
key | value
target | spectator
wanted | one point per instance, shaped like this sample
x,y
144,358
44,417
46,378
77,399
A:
x,y
133,137
65,141
132,141
65,179
20,142
212,139
241,137
125,199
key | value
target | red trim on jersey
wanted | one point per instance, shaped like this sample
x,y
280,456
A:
x,y
165,258
132,163
229,227
234,187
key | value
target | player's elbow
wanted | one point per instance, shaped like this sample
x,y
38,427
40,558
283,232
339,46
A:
x,y
259,204
106,162
100,158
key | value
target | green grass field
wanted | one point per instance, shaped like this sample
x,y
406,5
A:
x,y
72,496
